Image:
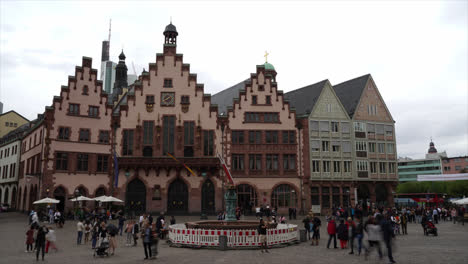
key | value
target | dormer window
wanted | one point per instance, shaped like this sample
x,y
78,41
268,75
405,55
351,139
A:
x,y
168,83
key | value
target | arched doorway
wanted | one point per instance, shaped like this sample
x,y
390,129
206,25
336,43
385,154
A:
x,y
5,198
60,194
147,151
135,199
285,196
381,194
13,198
177,197
246,198
208,197
100,192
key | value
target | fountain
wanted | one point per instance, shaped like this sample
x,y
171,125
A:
x,y
239,234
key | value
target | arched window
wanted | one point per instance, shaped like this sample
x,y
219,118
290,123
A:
x,y
284,196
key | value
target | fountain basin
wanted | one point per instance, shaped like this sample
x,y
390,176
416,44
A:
x,y
240,234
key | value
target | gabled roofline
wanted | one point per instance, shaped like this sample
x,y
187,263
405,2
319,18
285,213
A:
x,y
15,113
336,96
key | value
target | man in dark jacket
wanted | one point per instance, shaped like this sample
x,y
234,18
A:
x,y
388,234
41,241
306,222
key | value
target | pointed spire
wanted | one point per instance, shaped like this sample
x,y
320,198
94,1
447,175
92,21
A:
x,y
110,26
122,56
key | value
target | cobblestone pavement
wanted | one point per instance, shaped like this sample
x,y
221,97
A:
x,y
450,247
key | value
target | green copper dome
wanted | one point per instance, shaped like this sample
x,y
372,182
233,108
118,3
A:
x,y
269,66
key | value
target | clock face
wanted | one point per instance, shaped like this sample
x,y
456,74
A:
x,y
167,99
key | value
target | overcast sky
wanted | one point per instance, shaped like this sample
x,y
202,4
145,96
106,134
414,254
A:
x,y
415,51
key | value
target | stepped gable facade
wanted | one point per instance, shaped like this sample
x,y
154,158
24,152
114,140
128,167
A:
x,y
155,143
262,143
163,123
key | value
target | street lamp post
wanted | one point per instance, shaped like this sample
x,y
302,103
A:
x,y
222,155
77,194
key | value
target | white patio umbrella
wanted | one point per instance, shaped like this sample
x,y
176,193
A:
x,y
47,200
109,199
462,201
100,198
81,198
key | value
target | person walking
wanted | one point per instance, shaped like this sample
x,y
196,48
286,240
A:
x,y
41,241
51,238
112,231
404,224
128,231
154,241
359,233
79,229
316,230
331,229
146,236
29,239
94,234
135,232
262,231
342,234
373,236
388,234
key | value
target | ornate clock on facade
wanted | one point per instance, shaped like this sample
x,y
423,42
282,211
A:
x,y
167,99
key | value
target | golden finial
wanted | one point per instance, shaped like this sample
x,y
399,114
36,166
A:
x,y
266,56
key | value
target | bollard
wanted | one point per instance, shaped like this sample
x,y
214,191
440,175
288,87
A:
x,y
302,235
222,243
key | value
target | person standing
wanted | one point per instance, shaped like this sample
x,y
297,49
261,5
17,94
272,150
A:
x,y
87,231
41,241
453,214
316,230
154,241
342,234
121,223
173,221
331,229
112,231
262,231
146,236
94,234
351,233
435,215
29,239
404,224
79,229
306,222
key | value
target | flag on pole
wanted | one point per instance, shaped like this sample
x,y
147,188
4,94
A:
x,y
226,170
191,171
116,171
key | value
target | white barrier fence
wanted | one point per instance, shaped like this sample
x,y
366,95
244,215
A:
x,y
179,234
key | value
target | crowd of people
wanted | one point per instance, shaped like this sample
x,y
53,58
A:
x,y
97,230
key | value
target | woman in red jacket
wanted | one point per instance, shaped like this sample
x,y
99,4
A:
x,y
331,228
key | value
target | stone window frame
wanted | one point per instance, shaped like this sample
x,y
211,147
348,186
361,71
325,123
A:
x,y
82,130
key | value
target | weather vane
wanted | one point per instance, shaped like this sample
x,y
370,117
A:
x,y
266,56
